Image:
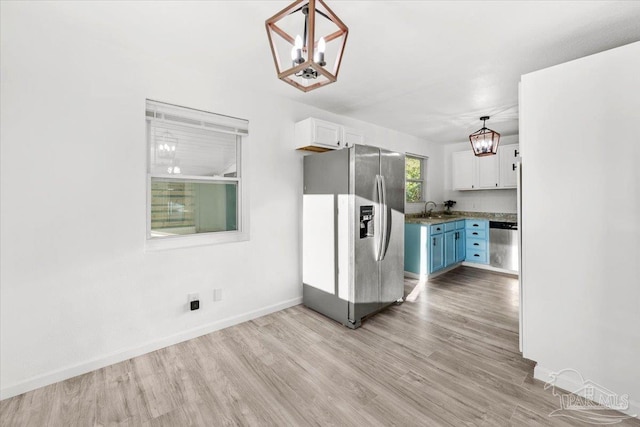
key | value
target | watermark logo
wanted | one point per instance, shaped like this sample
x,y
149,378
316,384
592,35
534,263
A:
x,y
591,403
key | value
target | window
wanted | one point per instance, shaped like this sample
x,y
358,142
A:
x,y
194,184
414,179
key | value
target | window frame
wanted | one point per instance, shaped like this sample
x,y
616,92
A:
x,y
242,200
422,181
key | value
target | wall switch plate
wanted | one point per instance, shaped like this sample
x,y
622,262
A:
x,y
217,294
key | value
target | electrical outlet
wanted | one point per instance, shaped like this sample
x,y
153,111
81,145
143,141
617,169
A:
x,y
193,301
217,294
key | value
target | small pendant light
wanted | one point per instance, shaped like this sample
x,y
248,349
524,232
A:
x,y
484,141
307,42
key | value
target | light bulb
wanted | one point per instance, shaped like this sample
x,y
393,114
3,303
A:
x,y
319,55
296,52
176,169
322,45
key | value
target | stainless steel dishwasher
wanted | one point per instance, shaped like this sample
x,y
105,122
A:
x,y
503,245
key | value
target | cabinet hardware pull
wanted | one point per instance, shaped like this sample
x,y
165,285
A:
x,y
476,244
496,184
476,255
338,143
434,241
474,233
513,166
515,153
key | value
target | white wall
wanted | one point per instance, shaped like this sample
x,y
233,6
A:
x,y
477,200
581,219
77,289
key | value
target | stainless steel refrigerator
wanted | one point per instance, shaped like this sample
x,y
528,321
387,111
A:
x,y
353,232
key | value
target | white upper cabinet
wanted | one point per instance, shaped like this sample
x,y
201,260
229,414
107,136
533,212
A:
x,y
326,134
508,158
464,170
485,173
488,172
319,135
352,136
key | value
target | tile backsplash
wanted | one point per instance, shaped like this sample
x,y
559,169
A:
x,y
484,200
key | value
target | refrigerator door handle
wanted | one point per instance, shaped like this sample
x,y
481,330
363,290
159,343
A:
x,y
380,216
385,220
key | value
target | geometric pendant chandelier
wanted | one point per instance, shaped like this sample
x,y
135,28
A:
x,y
307,42
484,141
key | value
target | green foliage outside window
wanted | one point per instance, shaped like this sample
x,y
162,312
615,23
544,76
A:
x,y
414,192
414,179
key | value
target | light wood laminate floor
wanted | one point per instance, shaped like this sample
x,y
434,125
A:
x,y
447,356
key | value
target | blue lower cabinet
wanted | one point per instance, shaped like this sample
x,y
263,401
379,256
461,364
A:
x,y
429,248
477,256
450,248
461,245
477,241
436,252
477,224
415,248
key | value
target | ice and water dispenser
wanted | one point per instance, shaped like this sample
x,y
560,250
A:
x,y
366,221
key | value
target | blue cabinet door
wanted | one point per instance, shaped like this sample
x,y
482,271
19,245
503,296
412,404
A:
x,y
436,250
461,246
450,248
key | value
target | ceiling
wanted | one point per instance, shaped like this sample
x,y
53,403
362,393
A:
x,y
432,69
427,68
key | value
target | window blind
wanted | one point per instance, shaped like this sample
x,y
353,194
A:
x,y
185,150
174,114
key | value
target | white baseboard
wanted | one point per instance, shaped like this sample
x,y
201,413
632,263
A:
x,y
411,275
490,268
119,356
566,383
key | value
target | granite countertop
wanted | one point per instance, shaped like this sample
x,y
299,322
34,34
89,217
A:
x,y
440,217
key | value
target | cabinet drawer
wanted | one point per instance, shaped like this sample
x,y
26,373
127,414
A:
x,y
449,226
436,229
476,244
477,224
459,225
476,256
476,234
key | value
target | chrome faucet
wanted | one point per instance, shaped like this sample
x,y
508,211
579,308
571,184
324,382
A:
x,y
428,212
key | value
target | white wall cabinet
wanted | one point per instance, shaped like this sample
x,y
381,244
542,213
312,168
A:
x,y
488,171
464,170
319,135
352,136
508,158
485,173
